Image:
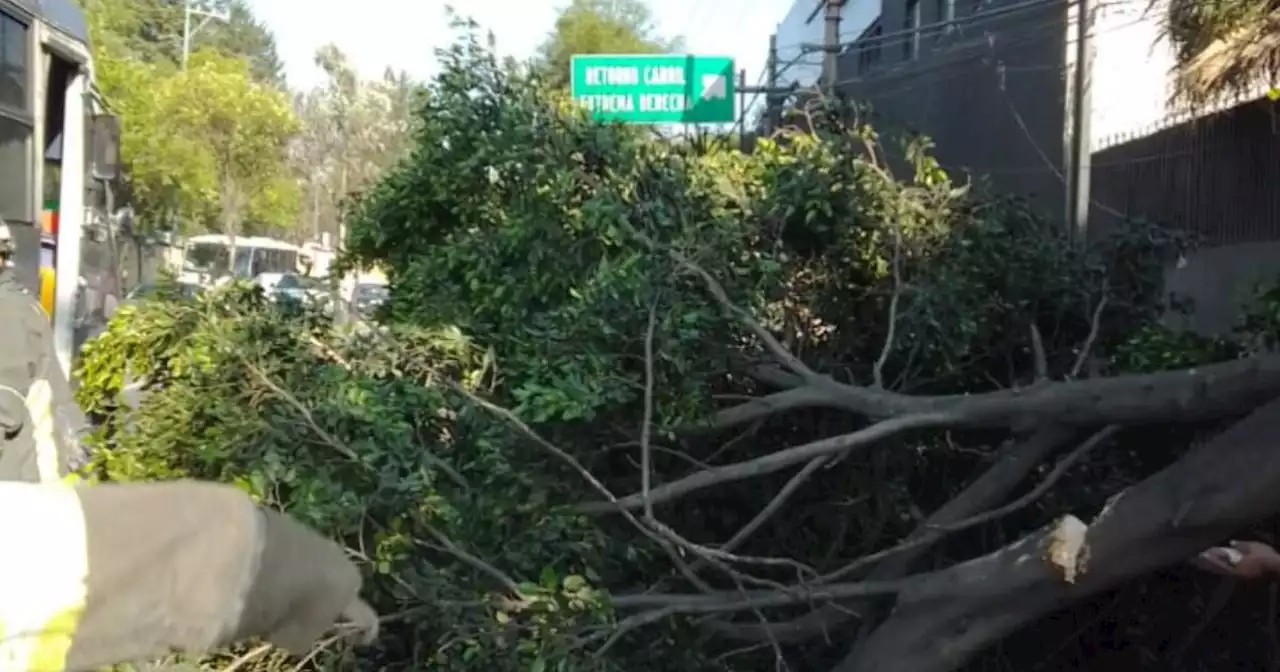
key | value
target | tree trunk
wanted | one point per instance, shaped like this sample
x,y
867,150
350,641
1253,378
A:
x,y
944,619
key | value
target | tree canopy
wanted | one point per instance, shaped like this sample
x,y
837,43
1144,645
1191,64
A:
x,y
204,144
601,27
1224,47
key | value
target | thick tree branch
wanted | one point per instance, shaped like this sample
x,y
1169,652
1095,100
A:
x,y
1199,393
941,621
1168,396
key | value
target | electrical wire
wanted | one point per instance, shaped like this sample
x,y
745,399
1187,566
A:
x,y
906,35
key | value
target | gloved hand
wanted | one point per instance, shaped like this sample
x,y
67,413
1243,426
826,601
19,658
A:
x,y
192,567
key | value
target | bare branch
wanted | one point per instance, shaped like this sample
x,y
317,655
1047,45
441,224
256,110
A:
x,y
769,405
774,462
1015,461
774,505
732,600
1037,354
447,545
770,343
1198,393
896,269
646,427
1094,325
938,531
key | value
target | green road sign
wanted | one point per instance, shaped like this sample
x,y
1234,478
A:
x,y
655,89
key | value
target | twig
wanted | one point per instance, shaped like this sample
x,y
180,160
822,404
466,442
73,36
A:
x,y
771,343
1094,324
241,661
774,505
303,411
1038,356
938,531
523,428
774,462
508,583
896,269
646,426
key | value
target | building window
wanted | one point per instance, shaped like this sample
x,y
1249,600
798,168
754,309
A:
x,y
869,51
13,63
15,121
911,25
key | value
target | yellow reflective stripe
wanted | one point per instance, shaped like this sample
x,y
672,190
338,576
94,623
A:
x,y
49,653
43,574
40,408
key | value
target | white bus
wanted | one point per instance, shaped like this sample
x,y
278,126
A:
x,y
51,138
211,258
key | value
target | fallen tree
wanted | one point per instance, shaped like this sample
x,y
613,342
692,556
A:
x,y
652,404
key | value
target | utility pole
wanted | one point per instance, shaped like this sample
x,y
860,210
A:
x,y
742,110
1081,171
771,101
220,12
831,46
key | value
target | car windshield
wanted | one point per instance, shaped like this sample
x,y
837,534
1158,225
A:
x,y
288,282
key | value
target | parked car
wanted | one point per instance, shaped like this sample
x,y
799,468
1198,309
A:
x,y
367,297
295,289
151,290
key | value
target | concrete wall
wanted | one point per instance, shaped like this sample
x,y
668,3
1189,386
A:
x,y
1219,280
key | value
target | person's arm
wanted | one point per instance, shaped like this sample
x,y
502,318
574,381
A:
x,y
57,421
18,453
128,572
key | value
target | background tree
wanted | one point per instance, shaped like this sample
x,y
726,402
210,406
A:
x,y
241,129
353,130
1225,47
151,31
601,27
172,177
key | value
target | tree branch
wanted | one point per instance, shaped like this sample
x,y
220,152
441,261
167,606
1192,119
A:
x,y
771,463
942,620
1012,466
1198,393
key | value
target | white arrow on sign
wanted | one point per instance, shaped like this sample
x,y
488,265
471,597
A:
x,y
713,87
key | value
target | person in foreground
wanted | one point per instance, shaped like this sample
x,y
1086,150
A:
x,y
1242,559
40,424
139,571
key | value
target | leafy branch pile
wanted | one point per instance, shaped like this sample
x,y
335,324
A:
x,y
644,403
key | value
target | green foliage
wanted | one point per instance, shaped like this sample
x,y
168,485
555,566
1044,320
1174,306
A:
x,y
600,27
204,145
150,31
352,436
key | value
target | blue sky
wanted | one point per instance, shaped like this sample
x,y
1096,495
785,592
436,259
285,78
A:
x,y
404,33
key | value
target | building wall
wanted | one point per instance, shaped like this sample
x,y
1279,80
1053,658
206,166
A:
x,y
989,88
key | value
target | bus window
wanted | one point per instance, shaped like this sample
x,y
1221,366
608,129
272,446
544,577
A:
x,y
275,261
208,258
